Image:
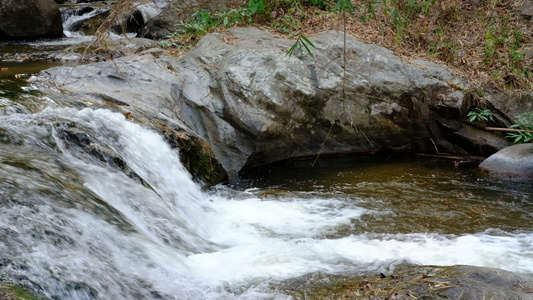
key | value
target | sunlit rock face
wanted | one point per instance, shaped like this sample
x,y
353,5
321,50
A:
x,y
255,105
29,19
514,163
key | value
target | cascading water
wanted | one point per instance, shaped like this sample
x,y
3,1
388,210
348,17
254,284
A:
x,y
73,17
73,226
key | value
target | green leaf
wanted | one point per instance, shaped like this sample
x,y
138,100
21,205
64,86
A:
x,y
307,48
256,6
301,43
344,6
307,41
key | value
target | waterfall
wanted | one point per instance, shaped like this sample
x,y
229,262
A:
x,y
74,17
94,221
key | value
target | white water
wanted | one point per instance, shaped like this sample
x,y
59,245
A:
x,y
71,19
179,242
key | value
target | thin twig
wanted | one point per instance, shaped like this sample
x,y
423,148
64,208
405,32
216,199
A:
x,y
504,129
322,145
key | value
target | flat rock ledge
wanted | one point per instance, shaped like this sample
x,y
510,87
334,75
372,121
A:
x,y
458,282
511,163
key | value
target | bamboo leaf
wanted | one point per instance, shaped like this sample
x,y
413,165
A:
x,y
307,41
307,48
291,50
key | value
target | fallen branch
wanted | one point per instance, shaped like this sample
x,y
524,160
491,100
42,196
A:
x,y
451,156
504,129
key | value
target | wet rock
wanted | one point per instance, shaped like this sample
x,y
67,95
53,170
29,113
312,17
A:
x,y
196,155
73,136
416,282
480,141
29,19
512,163
132,23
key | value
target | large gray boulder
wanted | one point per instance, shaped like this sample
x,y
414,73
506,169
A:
x,y
514,163
255,105
29,19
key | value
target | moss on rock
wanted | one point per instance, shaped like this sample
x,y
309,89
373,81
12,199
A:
x,y
196,155
10,291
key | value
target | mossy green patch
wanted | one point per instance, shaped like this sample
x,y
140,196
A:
x,y
10,291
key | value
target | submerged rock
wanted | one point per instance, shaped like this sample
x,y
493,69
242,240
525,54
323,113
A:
x,y
514,163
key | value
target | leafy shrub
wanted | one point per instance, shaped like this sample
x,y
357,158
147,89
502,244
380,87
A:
x,y
478,114
525,125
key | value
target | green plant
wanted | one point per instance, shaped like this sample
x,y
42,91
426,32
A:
x,y
343,7
233,16
443,49
521,137
491,43
286,24
399,20
369,10
524,125
478,114
201,23
400,13
256,6
302,42
322,4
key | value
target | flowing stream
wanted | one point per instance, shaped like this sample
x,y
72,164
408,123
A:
x,y
73,226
